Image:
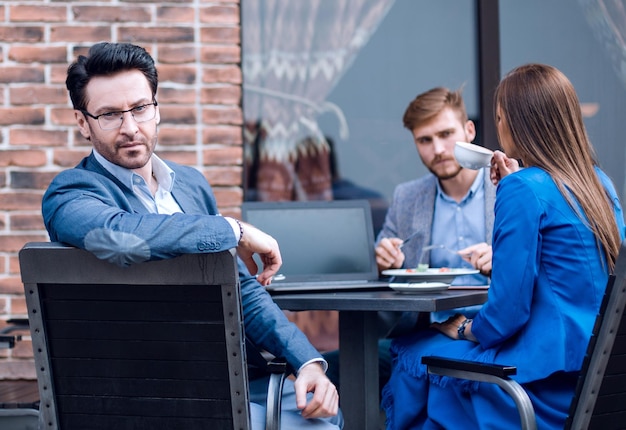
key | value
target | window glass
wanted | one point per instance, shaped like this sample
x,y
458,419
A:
x,y
337,75
585,39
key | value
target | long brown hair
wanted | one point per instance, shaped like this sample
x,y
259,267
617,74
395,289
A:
x,y
542,112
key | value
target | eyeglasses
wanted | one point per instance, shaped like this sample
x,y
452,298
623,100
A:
x,y
113,120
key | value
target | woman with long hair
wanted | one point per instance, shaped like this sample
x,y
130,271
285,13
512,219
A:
x,y
557,231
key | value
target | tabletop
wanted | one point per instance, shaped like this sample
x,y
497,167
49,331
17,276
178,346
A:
x,y
383,300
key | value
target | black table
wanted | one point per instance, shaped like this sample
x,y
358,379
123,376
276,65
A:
x,y
358,338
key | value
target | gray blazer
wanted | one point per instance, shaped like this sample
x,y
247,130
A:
x,y
412,210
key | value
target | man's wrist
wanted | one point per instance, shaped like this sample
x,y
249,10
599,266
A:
x,y
237,227
322,363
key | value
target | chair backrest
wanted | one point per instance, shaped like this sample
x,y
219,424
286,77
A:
x,y
155,345
600,400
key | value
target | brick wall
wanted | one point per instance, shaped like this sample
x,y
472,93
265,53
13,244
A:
x,y
196,44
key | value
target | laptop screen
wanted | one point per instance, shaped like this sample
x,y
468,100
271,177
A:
x,y
319,240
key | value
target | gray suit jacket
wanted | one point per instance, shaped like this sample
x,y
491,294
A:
x,y
412,210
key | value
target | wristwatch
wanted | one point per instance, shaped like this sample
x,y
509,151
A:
x,y
461,329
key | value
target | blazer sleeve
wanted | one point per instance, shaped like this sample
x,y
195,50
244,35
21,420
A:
x,y
90,211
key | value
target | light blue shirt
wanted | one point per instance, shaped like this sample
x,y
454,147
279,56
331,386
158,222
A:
x,y
162,202
458,225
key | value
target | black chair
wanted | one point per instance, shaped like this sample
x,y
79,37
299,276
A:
x,y
600,399
155,345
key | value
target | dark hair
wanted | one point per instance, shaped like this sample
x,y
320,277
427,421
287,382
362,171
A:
x,y
108,59
540,109
428,105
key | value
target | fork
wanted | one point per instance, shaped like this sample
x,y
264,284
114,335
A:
x,y
445,248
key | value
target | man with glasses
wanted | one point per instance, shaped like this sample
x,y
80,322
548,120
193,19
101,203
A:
x,y
126,205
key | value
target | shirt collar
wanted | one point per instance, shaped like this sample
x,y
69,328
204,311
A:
x,y
478,181
164,175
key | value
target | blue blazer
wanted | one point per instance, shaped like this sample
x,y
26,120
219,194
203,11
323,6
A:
x,y
89,208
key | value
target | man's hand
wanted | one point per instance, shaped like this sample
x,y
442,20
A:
x,y
325,401
388,254
254,241
479,256
501,166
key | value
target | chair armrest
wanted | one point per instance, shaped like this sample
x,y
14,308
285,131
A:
x,y
485,372
279,369
470,366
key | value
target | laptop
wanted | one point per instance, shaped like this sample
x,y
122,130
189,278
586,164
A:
x,y
325,245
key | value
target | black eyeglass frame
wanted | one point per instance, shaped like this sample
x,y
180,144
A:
x,y
121,112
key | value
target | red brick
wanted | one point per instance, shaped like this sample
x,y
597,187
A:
x,y
58,73
222,155
82,34
3,224
177,73
140,35
62,116
175,14
21,34
178,115
14,264
177,54
222,115
222,94
18,307
41,54
21,115
216,54
220,35
225,74
176,95
188,158
68,157
21,74
31,180
24,222
14,244
3,179
231,211
220,14
230,135
223,175
22,349
22,158
171,136
228,196
38,94
111,14
38,13
27,136
20,201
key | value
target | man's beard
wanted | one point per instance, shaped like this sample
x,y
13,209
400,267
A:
x,y
444,176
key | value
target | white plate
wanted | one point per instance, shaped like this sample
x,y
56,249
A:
x,y
430,275
419,287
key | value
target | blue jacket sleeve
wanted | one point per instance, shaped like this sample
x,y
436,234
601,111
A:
x,y
89,211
